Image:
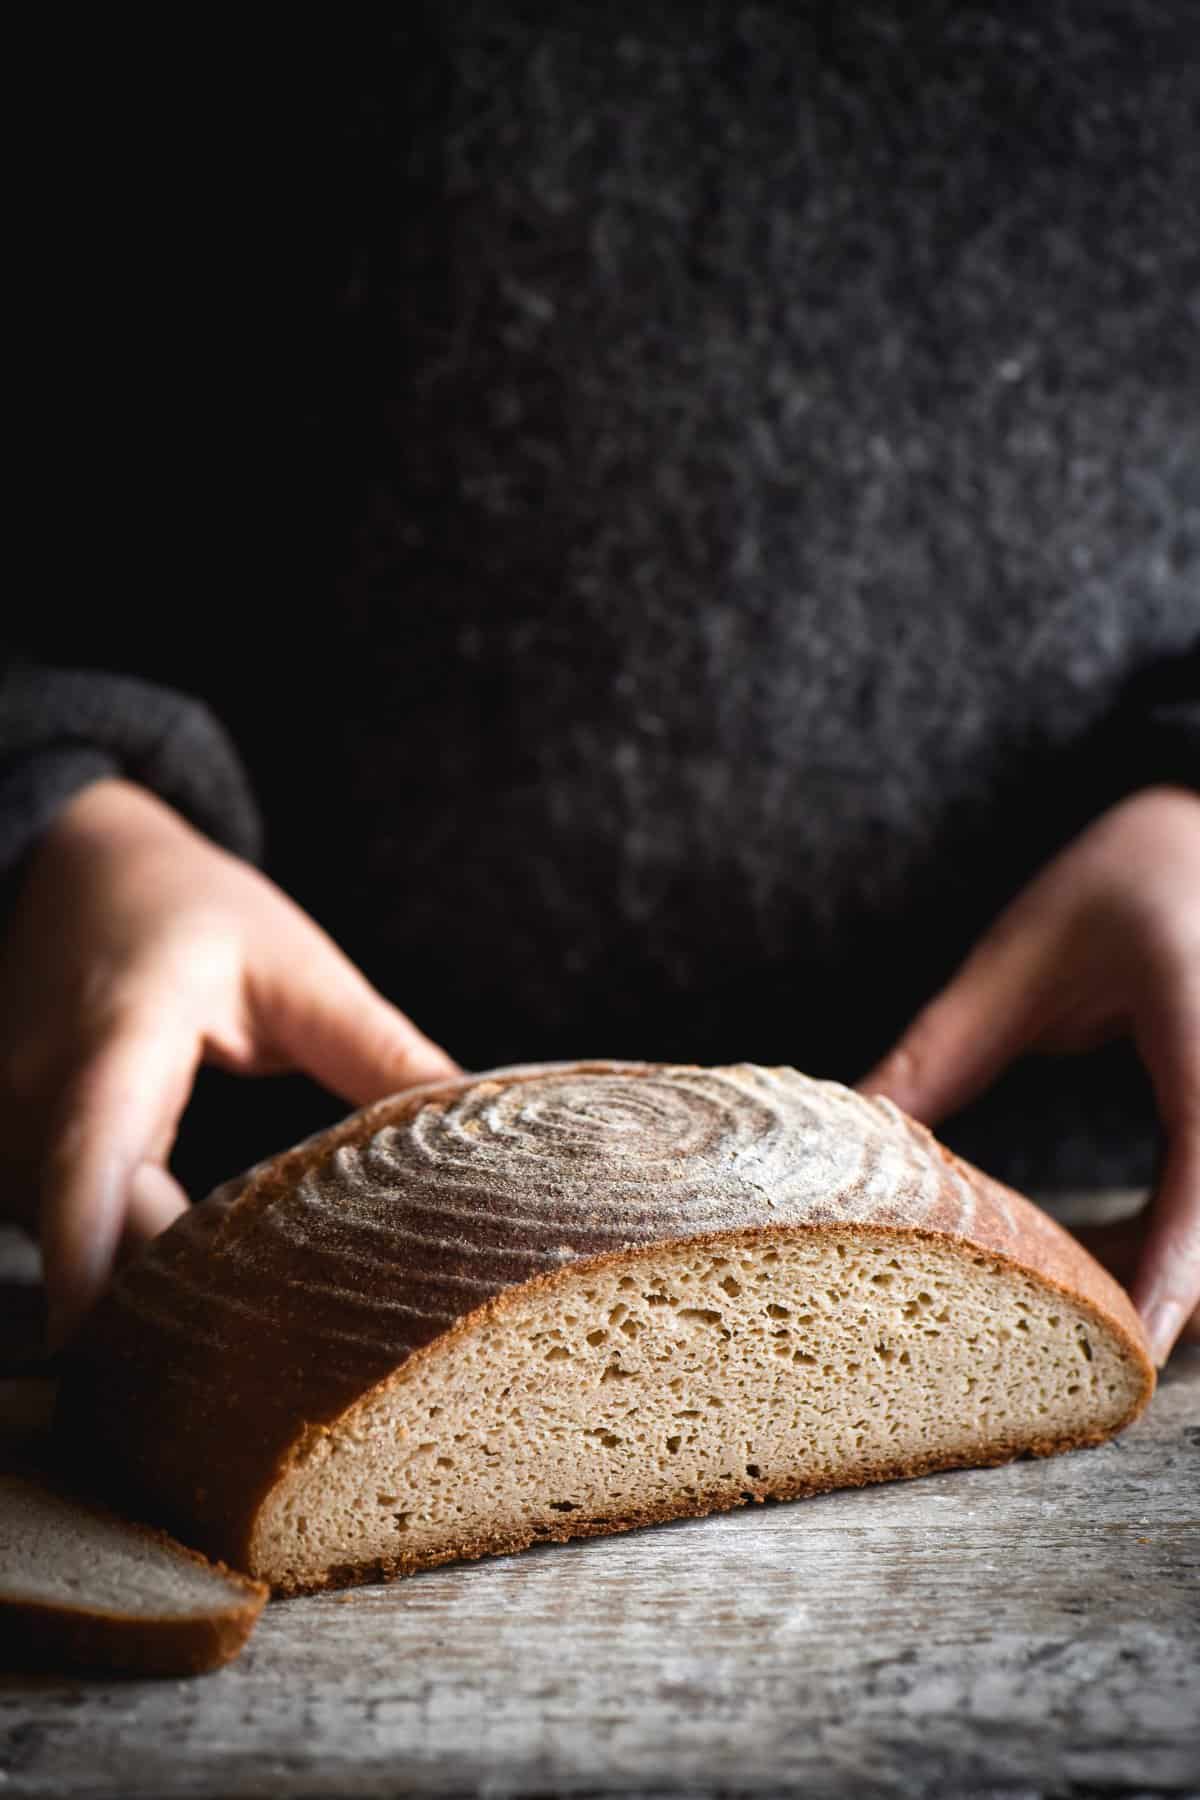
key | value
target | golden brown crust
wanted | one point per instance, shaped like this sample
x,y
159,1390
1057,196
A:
x,y
342,1263
38,1637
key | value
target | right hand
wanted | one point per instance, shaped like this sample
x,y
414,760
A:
x,y
137,949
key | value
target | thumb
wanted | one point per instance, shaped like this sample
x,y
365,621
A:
x,y
1166,1289
968,1033
324,1016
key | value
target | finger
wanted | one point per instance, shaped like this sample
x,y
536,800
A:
x,y
979,1023
330,1022
1166,1288
1118,1247
121,1107
154,1201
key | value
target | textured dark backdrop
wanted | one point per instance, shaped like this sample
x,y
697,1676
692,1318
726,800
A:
x,y
741,518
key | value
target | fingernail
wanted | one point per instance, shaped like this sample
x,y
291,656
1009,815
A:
x,y
892,1076
1163,1320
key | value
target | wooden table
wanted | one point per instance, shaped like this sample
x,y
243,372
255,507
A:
x,y
1026,1631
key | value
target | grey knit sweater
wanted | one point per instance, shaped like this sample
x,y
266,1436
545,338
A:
x,y
762,460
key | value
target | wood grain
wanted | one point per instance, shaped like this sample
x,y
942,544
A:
x,y
1031,1630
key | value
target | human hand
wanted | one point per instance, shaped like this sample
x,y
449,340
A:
x,y
1105,942
137,950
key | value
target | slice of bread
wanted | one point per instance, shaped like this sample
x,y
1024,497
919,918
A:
x,y
82,1589
563,1300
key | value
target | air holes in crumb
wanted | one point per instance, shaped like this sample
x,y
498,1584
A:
x,y
1085,1349
657,1299
701,1315
630,1327
802,1356
597,1337
445,1462
673,1444
387,1499
778,1312
615,1372
564,1506
626,1281
401,1521
881,1281
556,1353
753,1470
732,1288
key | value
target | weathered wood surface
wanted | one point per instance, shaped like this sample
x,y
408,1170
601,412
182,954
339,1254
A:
x,y
1026,1631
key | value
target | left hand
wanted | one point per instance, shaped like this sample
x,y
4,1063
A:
x,y
1104,943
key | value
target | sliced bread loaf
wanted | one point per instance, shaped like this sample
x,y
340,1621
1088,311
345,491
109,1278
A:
x,y
82,1589
565,1300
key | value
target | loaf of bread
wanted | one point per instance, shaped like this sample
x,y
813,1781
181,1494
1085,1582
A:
x,y
81,1589
562,1300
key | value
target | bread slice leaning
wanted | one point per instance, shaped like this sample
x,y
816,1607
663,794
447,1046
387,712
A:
x,y
82,1589
564,1300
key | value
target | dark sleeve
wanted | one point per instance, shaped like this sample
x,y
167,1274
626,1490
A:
x,y
1165,723
1151,737
63,728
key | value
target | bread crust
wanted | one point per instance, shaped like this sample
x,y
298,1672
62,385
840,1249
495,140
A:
x,y
39,1638
293,1349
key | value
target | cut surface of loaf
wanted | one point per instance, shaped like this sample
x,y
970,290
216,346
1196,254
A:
x,y
565,1300
81,1588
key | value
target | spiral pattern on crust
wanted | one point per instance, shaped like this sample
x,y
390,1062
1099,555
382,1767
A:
x,y
395,1224
587,1159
